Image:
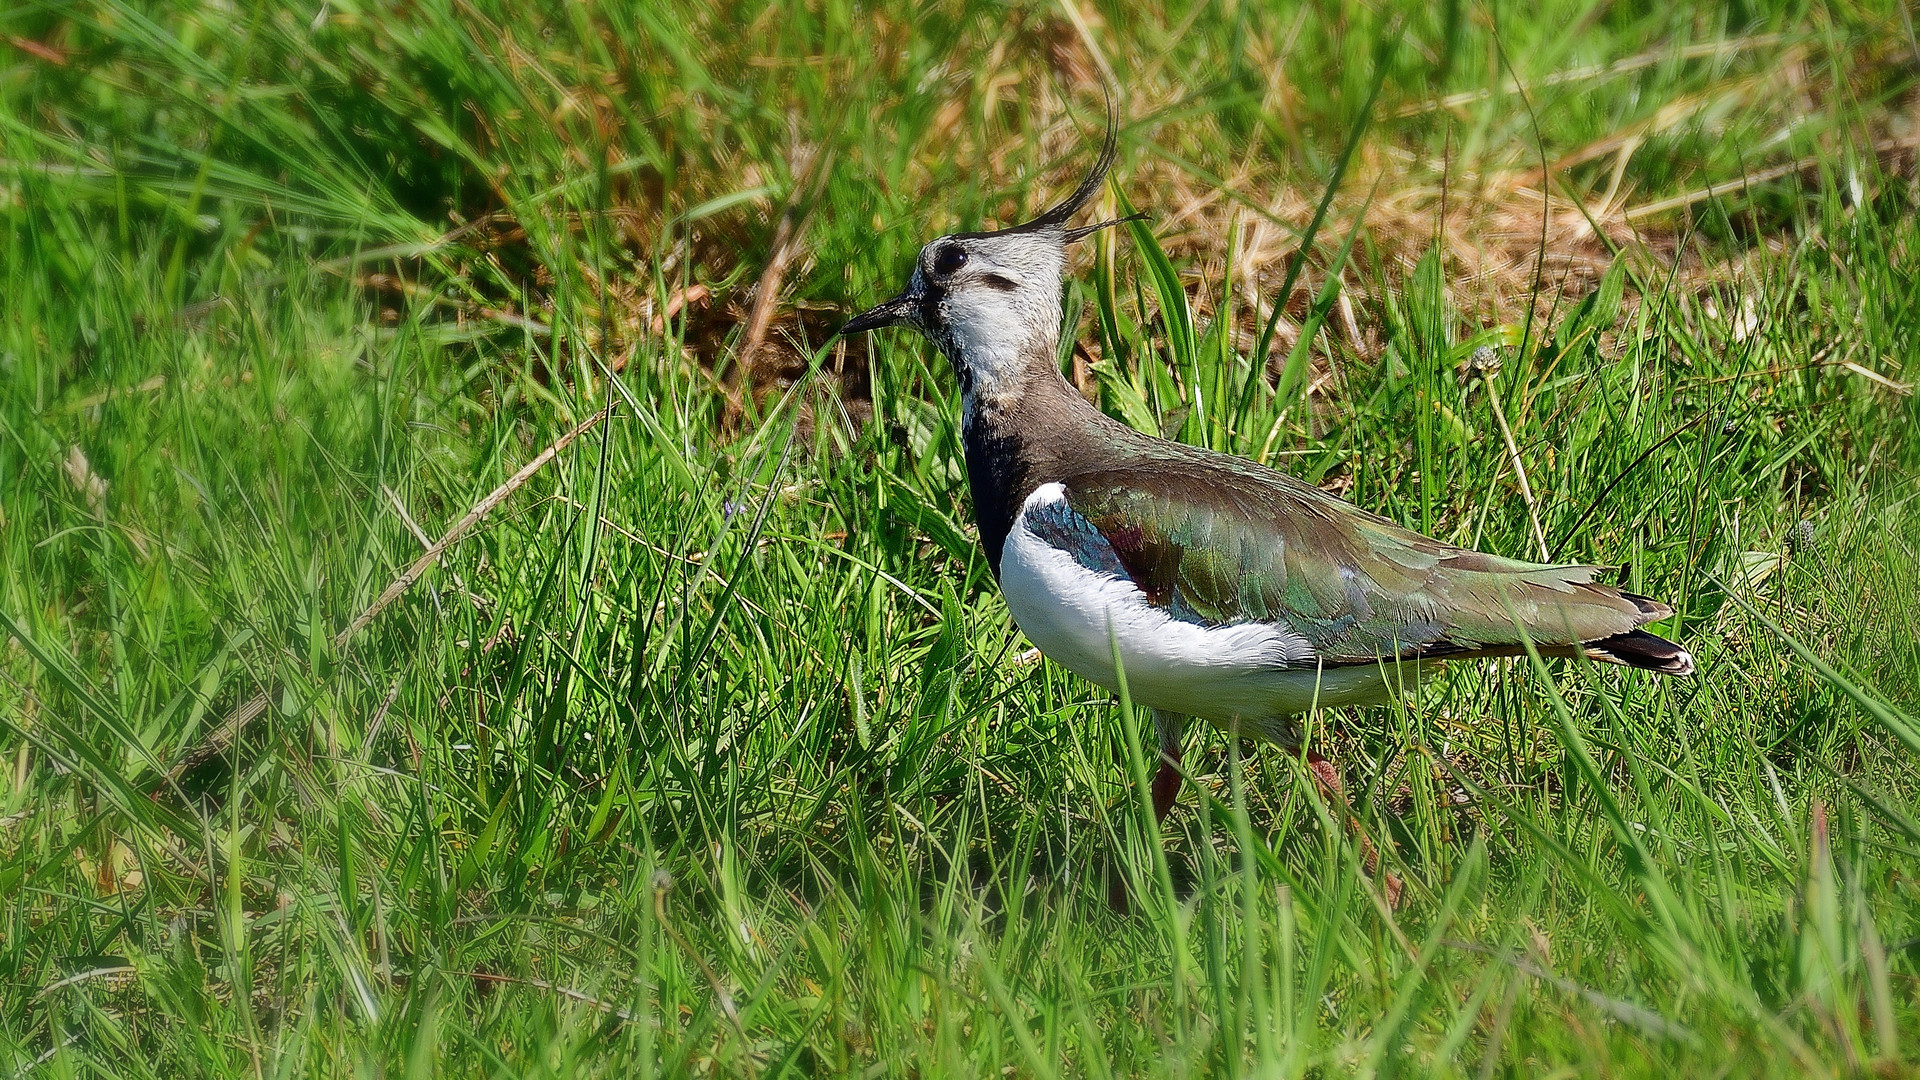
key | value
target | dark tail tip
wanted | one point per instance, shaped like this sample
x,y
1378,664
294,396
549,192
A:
x,y
1637,648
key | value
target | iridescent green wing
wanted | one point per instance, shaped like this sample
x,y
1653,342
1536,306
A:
x,y
1220,540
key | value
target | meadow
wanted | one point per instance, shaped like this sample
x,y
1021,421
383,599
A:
x,y
463,613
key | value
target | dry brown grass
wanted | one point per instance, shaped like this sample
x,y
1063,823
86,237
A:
x,y
1523,227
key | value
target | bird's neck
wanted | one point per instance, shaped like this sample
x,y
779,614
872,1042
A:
x,y
1027,427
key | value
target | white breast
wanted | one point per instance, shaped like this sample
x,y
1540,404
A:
x,y
1077,616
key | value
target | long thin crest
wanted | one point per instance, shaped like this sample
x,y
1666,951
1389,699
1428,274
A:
x,y
1057,216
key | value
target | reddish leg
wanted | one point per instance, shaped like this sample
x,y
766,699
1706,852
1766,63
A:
x,y
1332,785
1166,782
1335,789
1169,727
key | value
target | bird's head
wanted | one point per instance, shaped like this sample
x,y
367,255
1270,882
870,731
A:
x,y
991,300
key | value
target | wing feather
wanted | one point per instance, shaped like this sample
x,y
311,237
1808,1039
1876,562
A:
x,y
1223,541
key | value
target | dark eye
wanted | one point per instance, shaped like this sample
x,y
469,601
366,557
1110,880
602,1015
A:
x,y
949,259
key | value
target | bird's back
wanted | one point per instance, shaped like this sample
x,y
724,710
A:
x,y
1226,540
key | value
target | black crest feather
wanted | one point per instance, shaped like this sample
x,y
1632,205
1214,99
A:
x,y
1056,216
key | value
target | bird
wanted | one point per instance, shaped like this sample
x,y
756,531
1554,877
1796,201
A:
x,y
1227,590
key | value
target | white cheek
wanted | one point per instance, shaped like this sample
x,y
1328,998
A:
x,y
993,333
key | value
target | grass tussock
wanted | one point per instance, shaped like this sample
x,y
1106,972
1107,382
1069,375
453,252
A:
x,y
461,613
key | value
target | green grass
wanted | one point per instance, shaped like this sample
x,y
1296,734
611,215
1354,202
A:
x,y
712,749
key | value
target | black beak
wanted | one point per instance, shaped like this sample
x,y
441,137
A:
x,y
892,313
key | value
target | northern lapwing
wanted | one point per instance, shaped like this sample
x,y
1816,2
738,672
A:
x,y
1230,591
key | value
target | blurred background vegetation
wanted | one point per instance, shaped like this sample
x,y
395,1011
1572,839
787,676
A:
x,y
709,746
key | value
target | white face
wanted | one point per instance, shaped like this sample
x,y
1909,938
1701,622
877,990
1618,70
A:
x,y
991,301
988,302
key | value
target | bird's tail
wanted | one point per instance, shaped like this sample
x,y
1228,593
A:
x,y
1637,648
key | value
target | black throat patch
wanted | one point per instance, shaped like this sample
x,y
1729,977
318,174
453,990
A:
x,y
995,474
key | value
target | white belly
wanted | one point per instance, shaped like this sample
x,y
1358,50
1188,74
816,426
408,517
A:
x,y
1250,672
